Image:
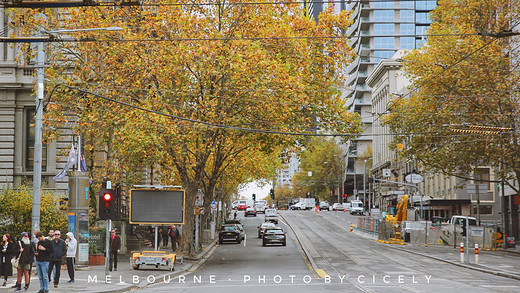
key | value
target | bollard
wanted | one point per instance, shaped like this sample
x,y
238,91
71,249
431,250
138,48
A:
x,y
462,252
316,209
351,227
476,253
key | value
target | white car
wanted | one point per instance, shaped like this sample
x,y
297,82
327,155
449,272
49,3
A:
x,y
260,207
263,227
338,207
271,216
234,205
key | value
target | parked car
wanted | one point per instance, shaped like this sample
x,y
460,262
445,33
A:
x,y
260,207
338,207
250,212
264,227
271,216
324,205
234,205
347,206
230,232
273,236
242,205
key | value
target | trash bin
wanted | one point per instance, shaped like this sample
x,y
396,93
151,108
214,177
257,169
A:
x,y
511,243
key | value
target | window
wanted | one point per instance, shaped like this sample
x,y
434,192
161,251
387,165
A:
x,y
407,4
408,43
420,42
420,30
407,29
423,17
407,15
383,4
384,43
379,55
383,15
484,210
425,4
384,29
29,143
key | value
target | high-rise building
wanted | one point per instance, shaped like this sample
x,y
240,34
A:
x,y
379,29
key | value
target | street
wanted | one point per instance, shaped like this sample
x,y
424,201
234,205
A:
x,y
340,261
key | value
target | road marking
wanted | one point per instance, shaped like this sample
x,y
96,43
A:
x,y
321,273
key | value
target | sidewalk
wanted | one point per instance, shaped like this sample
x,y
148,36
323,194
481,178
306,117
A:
x,y
505,263
93,278
502,262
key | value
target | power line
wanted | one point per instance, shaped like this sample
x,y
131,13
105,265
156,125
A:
x,y
214,125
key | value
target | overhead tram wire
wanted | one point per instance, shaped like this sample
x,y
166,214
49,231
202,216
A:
x,y
220,126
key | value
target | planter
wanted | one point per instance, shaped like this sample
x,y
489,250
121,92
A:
x,y
96,259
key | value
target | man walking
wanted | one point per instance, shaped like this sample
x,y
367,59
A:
x,y
43,255
115,248
174,234
59,247
72,245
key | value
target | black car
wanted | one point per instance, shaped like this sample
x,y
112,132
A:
x,y
230,233
274,236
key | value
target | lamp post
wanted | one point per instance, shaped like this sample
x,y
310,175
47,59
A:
x,y
40,75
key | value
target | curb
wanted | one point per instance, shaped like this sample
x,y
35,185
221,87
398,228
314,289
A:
x,y
467,266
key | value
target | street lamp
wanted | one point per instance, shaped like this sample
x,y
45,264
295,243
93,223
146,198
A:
x,y
40,75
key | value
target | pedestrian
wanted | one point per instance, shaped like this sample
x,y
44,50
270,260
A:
x,y
59,248
235,215
174,235
72,245
151,232
9,250
43,256
26,256
165,236
115,248
51,235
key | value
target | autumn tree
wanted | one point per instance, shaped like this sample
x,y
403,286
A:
x,y
323,158
196,90
16,211
463,111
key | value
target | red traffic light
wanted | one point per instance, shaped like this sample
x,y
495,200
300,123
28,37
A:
x,y
107,196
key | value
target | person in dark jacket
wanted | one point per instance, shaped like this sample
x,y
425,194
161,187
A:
x,y
60,248
115,248
44,249
8,249
165,236
24,263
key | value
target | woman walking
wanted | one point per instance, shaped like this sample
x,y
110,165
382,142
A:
x,y
24,263
8,251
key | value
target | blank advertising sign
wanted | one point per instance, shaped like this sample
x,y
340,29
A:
x,y
156,206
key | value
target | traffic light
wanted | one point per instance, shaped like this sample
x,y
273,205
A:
x,y
254,196
107,204
271,193
464,227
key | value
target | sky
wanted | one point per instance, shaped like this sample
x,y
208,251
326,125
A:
x,y
253,187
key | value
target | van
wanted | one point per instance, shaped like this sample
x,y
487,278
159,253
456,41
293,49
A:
x,y
356,207
459,220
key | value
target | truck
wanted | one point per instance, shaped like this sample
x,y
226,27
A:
x,y
356,207
308,203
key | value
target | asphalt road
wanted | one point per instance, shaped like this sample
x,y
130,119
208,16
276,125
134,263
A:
x,y
351,263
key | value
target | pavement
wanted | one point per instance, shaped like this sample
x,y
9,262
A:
x,y
93,278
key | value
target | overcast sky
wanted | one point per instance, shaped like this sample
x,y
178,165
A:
x,y
249,189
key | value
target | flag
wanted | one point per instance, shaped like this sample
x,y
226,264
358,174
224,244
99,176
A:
x,y
72,159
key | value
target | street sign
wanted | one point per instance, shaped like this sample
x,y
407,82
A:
x,y
156,206
413,178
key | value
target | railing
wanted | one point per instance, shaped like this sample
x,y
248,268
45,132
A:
x,y
426,232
